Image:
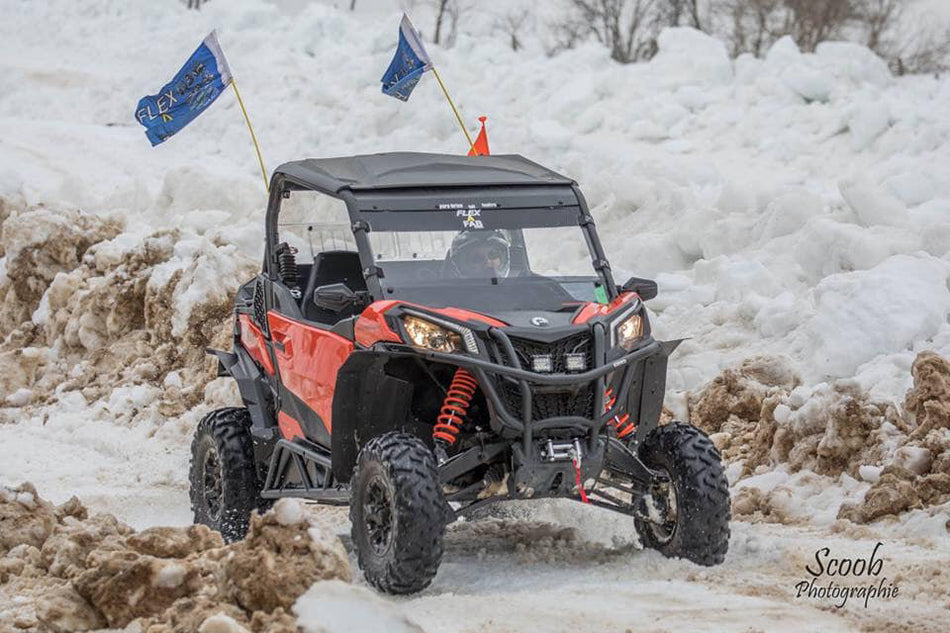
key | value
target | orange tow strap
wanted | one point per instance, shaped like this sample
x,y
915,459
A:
x,y
577,478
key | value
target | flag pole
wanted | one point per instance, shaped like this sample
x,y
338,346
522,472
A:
x,y
253,136
458,117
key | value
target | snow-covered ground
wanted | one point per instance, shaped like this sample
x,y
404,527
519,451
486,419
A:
x,y
794,206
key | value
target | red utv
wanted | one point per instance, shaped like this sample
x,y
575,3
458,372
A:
x,y
433,333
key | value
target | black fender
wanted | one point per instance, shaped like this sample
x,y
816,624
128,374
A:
x,y
647,391
367,402
257,396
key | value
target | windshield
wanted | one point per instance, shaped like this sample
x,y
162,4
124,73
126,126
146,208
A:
x,y
485,259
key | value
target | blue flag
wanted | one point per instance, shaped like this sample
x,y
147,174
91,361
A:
x,y
408,65
199,82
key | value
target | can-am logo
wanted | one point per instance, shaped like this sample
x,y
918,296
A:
x,y
539,321
866,572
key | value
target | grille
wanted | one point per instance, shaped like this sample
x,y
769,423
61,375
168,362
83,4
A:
x,y
579,343
552,403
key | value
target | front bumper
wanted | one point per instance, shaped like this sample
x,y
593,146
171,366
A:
x,y
638,380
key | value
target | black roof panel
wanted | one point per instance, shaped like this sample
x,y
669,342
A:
x,y
398,170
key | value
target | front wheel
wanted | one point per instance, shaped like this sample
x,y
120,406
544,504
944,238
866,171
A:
x,y
224,486
397,512
688,516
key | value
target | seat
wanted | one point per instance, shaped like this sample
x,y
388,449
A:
x,y
332,267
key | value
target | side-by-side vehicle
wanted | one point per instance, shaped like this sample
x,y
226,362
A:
x,y
430,334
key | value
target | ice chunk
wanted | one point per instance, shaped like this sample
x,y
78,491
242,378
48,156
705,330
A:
x,y
689,56
872,204
20,397
855,62
911,188
885,309
169,576
221,623
173,379
930,222
289,512
870,474
809,83
916,459
784,52
782,413
26,499
868,121
789,212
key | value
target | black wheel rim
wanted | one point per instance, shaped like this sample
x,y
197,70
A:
x,y
666,506
211,476
378,515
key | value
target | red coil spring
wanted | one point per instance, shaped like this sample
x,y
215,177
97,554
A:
x,y
455,406
620,422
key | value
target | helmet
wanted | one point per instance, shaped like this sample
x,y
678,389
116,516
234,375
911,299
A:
x,y
480,254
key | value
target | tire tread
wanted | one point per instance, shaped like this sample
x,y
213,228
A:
x,y
702,535
417,552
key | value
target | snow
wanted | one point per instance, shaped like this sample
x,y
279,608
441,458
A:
x,y
19,397
868,121
221,623
794,205
870,474
804,496
860,315
871,205
169,576
690,58
333,606
289,511
26,500
914,458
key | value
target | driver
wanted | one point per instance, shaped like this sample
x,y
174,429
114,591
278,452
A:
x,y
480,254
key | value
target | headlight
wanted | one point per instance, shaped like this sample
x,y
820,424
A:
x,y
428,335
438,335
630,331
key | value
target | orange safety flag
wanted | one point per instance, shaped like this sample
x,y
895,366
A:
x,y
480,148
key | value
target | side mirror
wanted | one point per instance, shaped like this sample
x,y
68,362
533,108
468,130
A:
x,y
337,297
646,288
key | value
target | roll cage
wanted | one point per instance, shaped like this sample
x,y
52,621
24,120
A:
x,y
408,181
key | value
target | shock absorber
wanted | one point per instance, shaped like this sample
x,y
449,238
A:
x,y
454,407
287,265
620,422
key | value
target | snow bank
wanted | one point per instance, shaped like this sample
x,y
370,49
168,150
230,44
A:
x,y
75,572
687,57
861,314
110,314
808,449
747,180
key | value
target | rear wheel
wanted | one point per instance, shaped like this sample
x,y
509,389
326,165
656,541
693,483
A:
x,y
689,514
224,486
397,513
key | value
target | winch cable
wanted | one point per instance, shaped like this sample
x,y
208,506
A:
x,y
577,477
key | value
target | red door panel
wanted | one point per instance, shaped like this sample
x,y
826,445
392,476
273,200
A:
x,y
308,359
289,427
